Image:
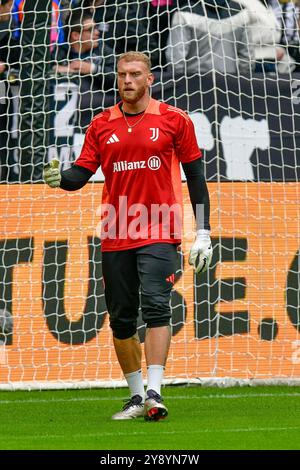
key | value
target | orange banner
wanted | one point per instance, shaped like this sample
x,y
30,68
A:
x,y
241,319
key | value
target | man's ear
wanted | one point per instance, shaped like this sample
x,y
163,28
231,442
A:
x,y
150,78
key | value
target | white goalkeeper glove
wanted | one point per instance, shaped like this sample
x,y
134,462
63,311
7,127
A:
x,y
201,251
51,173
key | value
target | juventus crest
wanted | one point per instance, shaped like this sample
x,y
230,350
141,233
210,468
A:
x,y
155,133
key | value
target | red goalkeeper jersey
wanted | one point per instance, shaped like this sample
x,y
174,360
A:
x,y
140,156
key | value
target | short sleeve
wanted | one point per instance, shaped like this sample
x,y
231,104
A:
x,y
90,154
186,145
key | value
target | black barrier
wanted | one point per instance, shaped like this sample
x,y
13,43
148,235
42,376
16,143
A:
x,y
34,89
249,130
9,131
63,118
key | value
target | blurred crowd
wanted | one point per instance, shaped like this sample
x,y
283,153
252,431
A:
x,y
183,37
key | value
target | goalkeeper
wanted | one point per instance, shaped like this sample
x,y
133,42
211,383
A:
x,y
139,144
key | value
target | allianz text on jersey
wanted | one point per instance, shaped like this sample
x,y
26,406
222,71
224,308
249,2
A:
x,y
153,163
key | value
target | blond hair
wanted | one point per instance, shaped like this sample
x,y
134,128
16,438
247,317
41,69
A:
x,y
136,56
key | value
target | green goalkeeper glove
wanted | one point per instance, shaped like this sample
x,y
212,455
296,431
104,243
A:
x,y
51,173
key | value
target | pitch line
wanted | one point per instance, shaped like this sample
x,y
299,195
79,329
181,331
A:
x,y
166,397
146,433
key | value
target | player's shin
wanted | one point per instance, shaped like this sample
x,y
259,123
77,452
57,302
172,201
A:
x,y
129,355
157,345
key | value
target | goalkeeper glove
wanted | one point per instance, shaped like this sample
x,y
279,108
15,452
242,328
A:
x,y
201,251
51,173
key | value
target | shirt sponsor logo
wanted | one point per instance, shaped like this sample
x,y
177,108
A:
x,y
153,163
127,166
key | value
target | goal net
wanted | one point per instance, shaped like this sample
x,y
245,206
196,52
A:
x,y
234,68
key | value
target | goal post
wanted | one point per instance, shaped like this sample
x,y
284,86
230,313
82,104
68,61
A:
x,y
236,324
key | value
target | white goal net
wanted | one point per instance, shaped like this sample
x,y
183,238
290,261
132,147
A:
x,y
233,66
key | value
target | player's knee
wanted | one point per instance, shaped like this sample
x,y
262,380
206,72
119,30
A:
x,y
157,323
123,331
156,315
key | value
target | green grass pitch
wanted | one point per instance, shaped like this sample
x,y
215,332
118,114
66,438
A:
x,y
199,419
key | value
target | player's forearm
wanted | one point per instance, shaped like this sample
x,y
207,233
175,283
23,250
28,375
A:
x,y
199,198
198,192
75,178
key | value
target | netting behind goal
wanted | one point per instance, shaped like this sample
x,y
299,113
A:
x,y
237,323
